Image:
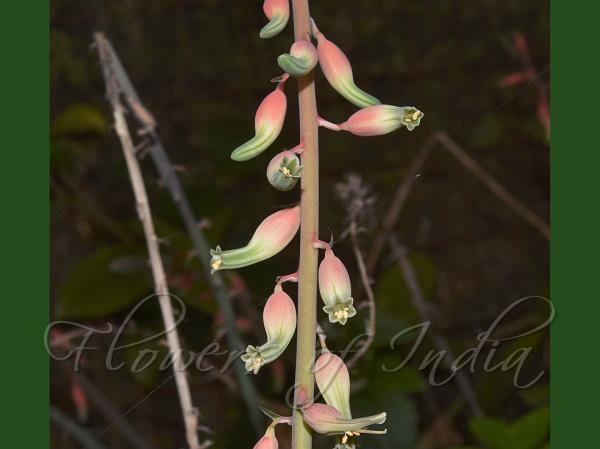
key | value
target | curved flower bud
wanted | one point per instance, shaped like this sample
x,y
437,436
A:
x,y
338,71
268,441
271,236
284,170
333,381
328,420
335,289
279,319
382,119
268,123
278,13
302,59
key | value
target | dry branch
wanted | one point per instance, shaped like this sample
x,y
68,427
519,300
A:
x,y
201,248
190,414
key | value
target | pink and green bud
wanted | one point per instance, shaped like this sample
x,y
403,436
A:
x,y
338,71
382,119
271,236
284,170
268,123
328,420
279,319
278,13
333,380
335,289
301,59
268,441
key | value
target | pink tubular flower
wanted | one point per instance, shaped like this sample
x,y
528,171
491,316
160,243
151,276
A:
x,y
278,13
271,236
338,71
302,59
268,441
279,319
268,123
333,380
329,421
335,289
382,119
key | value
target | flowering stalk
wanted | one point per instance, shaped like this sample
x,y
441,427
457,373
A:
x,y
309,213
279,316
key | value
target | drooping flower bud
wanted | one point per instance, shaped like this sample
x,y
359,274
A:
x,y
284,170
279,319
301,59
382,119
335,289
338,71
328,420
333,381
268,123
271,236
278,13
268,441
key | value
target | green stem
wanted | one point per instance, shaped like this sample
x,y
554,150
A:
x,y
309,213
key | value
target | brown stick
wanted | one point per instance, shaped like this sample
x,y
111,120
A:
x,y
370,323
190,414
441,343
309,215
398,204
473,166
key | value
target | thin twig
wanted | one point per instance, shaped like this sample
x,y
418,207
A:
x,y
370,323
441,343
83,437
171,181
190,414
470,164
398,204
497,189
111,413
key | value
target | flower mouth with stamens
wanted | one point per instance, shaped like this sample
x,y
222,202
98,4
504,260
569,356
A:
x,y
340,312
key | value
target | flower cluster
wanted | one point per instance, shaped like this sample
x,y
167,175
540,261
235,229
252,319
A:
x,y
277,230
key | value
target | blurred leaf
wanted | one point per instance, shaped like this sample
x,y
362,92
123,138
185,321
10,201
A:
x,y
530,431
536,396
496,386
394,308
80,119
491,432
143,360
102,283
401,421
406,380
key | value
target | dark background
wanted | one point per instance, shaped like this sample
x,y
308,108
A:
x,y
201,69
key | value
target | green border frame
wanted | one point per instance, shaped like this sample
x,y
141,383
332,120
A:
x,y
24,36
574,368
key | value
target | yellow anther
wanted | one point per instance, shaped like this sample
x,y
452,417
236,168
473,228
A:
x,y
416,115
356,434
216,264
344,439
286,172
